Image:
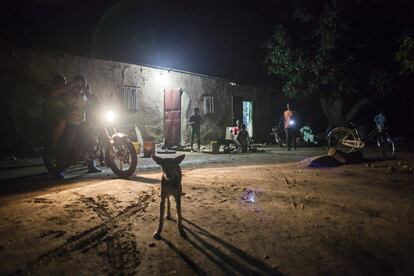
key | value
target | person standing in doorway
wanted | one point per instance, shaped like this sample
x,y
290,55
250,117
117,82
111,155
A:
x,y
195,122
289,127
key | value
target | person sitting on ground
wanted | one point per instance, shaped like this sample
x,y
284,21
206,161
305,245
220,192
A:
x,y
235,130
242,138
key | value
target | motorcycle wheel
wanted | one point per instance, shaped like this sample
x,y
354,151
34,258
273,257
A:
x,y
122,159
386,144
337,136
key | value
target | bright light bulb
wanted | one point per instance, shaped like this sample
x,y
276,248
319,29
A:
x,y
110,116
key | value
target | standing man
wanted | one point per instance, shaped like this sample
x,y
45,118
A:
x,y
195,122
89,129
75,115
290,126
54,111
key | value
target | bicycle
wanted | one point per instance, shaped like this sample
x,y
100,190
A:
x,y
348,139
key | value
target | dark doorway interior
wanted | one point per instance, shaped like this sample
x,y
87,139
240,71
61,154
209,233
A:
x,y
237,109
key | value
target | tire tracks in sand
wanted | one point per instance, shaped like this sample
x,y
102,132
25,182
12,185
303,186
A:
x,y
121,253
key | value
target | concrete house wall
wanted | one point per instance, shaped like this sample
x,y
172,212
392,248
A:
x,y
27,74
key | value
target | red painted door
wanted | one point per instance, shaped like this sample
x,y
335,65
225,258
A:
x,y
172,117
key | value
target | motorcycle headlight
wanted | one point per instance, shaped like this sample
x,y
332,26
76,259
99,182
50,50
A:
x,y
291,122
110,116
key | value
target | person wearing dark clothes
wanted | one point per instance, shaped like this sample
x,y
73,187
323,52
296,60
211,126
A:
x,y
54,111
90,128
75,115
243,138
195,122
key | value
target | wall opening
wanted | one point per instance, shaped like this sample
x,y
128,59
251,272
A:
x,y
172,117
243,111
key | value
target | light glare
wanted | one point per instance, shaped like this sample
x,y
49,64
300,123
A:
x,y
110,116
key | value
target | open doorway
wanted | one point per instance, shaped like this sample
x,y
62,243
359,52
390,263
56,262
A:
x,y
248,116
243,111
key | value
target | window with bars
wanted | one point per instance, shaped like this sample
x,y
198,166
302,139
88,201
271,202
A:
x,y
130,98
208,104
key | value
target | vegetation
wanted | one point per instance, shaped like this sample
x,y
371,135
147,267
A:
x,y
340,51
405,55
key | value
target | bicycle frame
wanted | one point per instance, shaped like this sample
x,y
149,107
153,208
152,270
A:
x,y
360,141
349,139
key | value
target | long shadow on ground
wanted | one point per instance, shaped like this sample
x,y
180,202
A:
x,y
234,261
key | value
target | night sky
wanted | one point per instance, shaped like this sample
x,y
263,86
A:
x,y
217,38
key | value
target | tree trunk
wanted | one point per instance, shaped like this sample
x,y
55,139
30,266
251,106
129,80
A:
x,y
356,108
333,110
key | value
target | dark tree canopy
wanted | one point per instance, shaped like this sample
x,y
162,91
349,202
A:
x,y
339,47
405,55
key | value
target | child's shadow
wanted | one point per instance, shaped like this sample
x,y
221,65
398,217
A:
x,y
232,262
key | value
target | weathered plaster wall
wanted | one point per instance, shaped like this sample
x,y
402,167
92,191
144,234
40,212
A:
x,y
32,73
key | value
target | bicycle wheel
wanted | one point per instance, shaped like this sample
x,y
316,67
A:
x,y
342,139
386,144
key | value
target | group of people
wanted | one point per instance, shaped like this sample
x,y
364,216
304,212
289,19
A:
x,y
67,104
240,135
65,109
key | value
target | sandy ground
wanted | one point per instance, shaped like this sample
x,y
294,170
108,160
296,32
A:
x,y
241,219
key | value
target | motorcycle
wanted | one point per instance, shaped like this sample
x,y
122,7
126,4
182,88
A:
x,y
110,147
277,135
307,137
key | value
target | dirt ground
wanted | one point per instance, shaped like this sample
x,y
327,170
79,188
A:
x,y
241,219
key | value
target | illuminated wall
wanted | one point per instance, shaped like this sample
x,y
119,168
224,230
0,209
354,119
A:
x,y
28,76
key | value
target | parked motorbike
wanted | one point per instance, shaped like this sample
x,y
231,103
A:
x,y
307,137
277,135
110,147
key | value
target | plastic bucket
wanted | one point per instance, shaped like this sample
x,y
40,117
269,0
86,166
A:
x,y
149,149
214,147
137,146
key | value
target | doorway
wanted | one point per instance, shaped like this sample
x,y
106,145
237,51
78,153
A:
x,y
243,111
172,117
248,116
